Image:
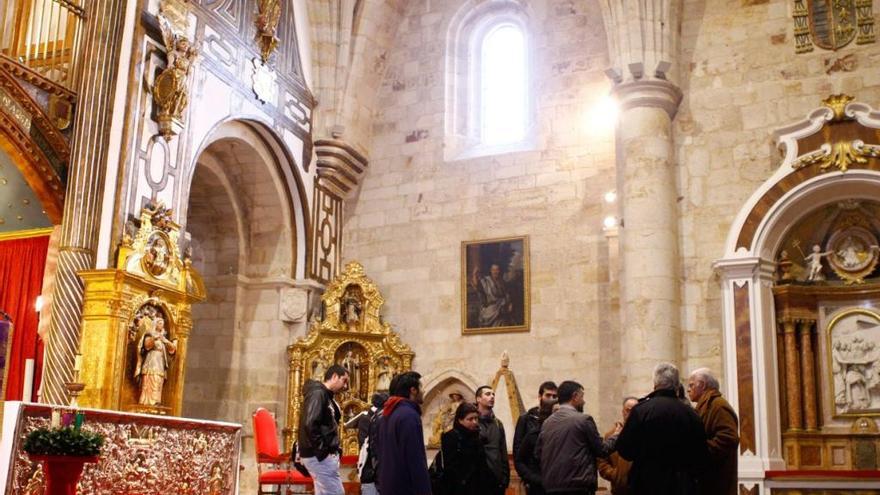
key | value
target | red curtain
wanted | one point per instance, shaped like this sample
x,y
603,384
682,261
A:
x,y
22,262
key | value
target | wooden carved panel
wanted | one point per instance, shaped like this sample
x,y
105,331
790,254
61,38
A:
x,y
327,235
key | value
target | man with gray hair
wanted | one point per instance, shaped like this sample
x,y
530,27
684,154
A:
x,y
720,422
664,440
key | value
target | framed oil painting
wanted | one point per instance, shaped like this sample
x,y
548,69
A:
x,y
495,285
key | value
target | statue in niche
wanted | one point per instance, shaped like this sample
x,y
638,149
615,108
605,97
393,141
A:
x,y
318,370
352,364
444,419
154,355
814,260
351,308
384,375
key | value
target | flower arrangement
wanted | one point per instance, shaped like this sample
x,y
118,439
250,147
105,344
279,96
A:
x,y
67,439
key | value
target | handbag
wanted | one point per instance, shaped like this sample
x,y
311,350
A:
x,y
435,471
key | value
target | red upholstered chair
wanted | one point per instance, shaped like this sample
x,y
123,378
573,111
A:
x,y
273,466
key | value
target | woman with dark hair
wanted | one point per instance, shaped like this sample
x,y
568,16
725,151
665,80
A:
x,y
465,471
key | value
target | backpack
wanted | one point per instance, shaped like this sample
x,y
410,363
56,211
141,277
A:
x,y
368,462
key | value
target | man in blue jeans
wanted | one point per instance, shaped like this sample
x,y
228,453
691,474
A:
x,y
318,435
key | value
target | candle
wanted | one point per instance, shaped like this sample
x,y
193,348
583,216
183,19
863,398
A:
x,y
80,419
77,363
56,419
67,419
28,386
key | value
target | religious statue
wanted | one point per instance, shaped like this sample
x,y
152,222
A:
x,y
856,372
268,15
815,263
444,419
170,90
351,309
154,354
384,375
158,255
352,364
215,482
784,267
318,370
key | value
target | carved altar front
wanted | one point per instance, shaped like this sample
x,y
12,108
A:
x,y
353,335
137,321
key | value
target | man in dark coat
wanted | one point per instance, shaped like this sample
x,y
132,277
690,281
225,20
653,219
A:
x,y
525,439
494,439
722,437
402,465
318,435
569,444
664,439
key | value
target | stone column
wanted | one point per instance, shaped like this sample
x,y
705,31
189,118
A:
x,y
808,372
792,377
100,45
649,234
643,40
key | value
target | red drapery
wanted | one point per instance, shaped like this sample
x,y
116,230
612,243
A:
x,y
22,262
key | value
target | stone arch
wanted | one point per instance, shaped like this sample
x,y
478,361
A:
x,y
436,392
245,218
748,267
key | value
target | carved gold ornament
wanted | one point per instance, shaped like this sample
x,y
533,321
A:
x,y
837,103
266,21
171,88
352,335
841,155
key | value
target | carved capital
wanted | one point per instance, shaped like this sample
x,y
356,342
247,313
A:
x,y
649,93
340,166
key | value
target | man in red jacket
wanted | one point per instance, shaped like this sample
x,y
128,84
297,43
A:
x,y
402,465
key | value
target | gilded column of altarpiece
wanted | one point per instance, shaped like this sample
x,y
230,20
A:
x,y
137,321
353,335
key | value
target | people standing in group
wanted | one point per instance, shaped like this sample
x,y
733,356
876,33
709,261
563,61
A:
x,y
368,425
494,440
402,466
569,444
465,470
664,440
614,468
525,439
318,435
722,438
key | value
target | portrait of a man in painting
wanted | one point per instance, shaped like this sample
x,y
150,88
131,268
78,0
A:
x,y
495,285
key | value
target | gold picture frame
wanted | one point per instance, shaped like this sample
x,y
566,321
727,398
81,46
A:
x,y
495,300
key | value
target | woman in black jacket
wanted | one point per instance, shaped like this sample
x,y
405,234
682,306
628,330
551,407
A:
x,y
465,471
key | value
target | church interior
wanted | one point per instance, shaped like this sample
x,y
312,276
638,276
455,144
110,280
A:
x,y
206,203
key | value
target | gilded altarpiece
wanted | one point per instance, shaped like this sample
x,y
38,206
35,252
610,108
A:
x,y
353,335
137,321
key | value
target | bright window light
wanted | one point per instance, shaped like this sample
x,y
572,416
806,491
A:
x,y
503,86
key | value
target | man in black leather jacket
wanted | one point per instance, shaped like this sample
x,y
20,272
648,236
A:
x,y
318,436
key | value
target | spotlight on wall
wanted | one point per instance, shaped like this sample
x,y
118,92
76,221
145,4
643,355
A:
x,y
611,196
601,118
610,222
38,305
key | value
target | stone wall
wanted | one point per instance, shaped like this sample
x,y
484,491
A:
x,y
742,79
415,209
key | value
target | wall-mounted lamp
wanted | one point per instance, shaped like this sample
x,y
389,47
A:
x,y
610,196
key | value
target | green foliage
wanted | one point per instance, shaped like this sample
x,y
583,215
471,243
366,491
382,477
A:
x,y
63,441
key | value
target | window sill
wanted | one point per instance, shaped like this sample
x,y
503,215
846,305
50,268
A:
x,y
482,150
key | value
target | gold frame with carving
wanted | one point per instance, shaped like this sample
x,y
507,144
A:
x,y
828,360
526,326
